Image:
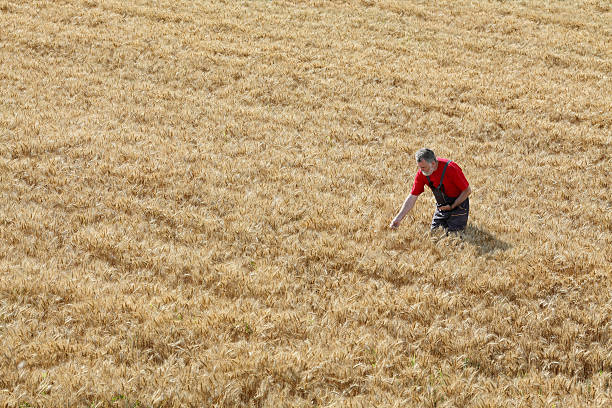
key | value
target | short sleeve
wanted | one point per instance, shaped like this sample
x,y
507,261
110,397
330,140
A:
x,y
459,178
419,185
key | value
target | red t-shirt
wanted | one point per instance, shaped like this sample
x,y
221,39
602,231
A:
x,y
454,180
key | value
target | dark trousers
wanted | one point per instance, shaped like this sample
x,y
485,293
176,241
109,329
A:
x,y
454,220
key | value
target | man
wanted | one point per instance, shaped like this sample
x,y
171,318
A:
x,y
450,187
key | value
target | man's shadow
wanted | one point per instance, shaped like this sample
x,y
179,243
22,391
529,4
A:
x,y
482,240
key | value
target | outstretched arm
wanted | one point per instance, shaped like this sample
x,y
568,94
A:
x,y
408,204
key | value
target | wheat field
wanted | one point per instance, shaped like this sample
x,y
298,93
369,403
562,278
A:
x,y
195,199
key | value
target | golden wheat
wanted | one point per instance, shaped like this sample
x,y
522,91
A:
x,y
194,199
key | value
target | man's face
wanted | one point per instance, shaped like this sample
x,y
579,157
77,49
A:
x,y
426,167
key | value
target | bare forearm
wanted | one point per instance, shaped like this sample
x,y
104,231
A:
x,y
408,204
462,197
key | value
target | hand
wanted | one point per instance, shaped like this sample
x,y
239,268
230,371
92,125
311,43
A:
x,y
394,224
445,208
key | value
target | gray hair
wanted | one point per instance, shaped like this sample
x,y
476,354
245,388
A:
x,y
425,154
